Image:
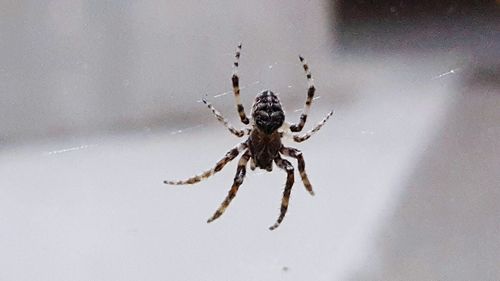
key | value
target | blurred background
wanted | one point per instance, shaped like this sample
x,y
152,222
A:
x,y
100,102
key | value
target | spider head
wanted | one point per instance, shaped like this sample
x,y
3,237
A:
x,y
267,112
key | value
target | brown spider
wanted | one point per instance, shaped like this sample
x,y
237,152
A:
x,y
263,146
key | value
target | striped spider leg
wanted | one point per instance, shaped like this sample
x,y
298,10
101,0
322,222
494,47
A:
x,y
311,132
297,154
220,117
236,88
310,95
230,155
287,166
238,180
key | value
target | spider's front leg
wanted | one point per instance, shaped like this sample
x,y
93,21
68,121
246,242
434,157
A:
x,y
218,115
316,128
238,180
230,155
310,95
287,166
236,87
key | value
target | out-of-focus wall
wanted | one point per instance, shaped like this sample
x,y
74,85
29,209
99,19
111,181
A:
x,y
460,26
73,67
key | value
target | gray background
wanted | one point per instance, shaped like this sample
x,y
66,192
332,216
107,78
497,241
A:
x,y
100,103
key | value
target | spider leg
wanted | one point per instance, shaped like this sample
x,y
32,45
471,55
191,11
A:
x,y
218,115
287,166
230,155
238,180
297,154
252,165
307,135
236,87
310,94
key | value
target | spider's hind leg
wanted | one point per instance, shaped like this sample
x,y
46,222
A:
x,y
297,154
287,166
238,180
230,155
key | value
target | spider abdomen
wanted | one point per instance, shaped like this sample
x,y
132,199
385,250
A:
x,y
264,148
267,112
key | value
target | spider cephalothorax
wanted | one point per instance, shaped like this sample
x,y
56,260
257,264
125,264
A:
x,y
267,112
263,146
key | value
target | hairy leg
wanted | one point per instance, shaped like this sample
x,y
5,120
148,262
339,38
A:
x,y
310,94
218,115
297,154
230,155
307,135
236,87
287,166
238,180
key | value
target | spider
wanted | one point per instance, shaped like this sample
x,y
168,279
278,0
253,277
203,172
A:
x,y
263,145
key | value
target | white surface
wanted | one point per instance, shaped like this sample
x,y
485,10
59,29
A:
x,y
96,208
